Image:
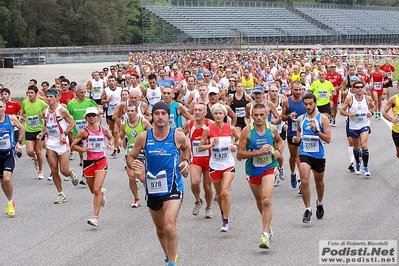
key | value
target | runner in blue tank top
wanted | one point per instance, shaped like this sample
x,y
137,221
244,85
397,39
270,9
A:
x,y
313,129
292,109
167,157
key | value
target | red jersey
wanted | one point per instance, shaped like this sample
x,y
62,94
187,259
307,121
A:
x,y
195,135
377,81
65,97
388,69
12,107
366,78
334,78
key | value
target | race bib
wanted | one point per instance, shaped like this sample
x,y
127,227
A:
x,y
158,183
80,124
294,125
53,130
377,86
5,143
111,108
240,111
360,117
220,154
33,121
97,142
322,94
310,143
262,160
196,152
389,75
171,121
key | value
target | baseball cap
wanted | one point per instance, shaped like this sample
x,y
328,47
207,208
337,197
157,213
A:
x,y
258,89
91,110
213,90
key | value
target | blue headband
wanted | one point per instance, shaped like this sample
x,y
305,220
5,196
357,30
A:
x,y
52,93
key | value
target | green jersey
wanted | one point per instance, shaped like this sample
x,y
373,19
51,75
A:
x,y
33,121
77,110
132,133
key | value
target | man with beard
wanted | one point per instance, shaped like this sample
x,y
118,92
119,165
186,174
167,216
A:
x,y
313,129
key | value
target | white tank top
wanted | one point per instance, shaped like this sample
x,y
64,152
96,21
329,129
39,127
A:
x,y
153,96
55,126
114,102
361,107
97,88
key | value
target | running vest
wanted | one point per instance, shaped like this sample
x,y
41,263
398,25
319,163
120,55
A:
x,y
257,165
7,142
221,157
175,119
137,88
97,89
311,144
132,133
279,108
238,106
299,108
395,110
377,81
248,85
163,172
195,136
361,107
96,140
55,126
114,102
153,96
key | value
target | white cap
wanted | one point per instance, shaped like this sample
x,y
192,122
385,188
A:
x,y
213,90
91,110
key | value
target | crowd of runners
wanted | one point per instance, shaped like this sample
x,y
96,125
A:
x,y
180,114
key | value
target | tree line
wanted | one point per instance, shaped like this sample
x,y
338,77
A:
x,y
41,23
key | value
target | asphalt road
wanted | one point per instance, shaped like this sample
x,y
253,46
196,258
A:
x,y
356,208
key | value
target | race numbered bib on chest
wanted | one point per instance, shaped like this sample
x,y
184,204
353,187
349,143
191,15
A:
x,y
262,160
322,94
196,152
171,121
80,124
5,143
157,184
220,154
33,121
360,117
310,143
111,108
294,125
240,111
97,142
377,86
389,75
53,130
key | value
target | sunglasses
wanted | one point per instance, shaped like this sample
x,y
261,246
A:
x,y
64,84
91,115
359,87
206,76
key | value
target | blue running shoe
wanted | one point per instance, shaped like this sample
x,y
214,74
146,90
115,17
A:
x,y
366,171
294,182
357,170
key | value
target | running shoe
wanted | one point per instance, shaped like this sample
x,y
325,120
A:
x,y
10,209
74,178
281,173
276,182
103,198
264,242
351,168
270,232
13,204
71,157
197,207
294,182
357,170
66,178
40,175
60,199
330,122
307,216
50,177
208,213
225,227
35,164
136,203
319,210
82,180
379,116
167,259
299,189
366,171
93,221
333,123
115,153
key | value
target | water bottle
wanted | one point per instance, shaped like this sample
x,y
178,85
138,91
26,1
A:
x,y
141,158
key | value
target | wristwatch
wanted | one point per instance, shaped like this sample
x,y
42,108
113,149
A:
x,y
19,141
316,131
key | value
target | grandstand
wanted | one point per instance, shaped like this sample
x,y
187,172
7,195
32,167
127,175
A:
x,y
233,22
